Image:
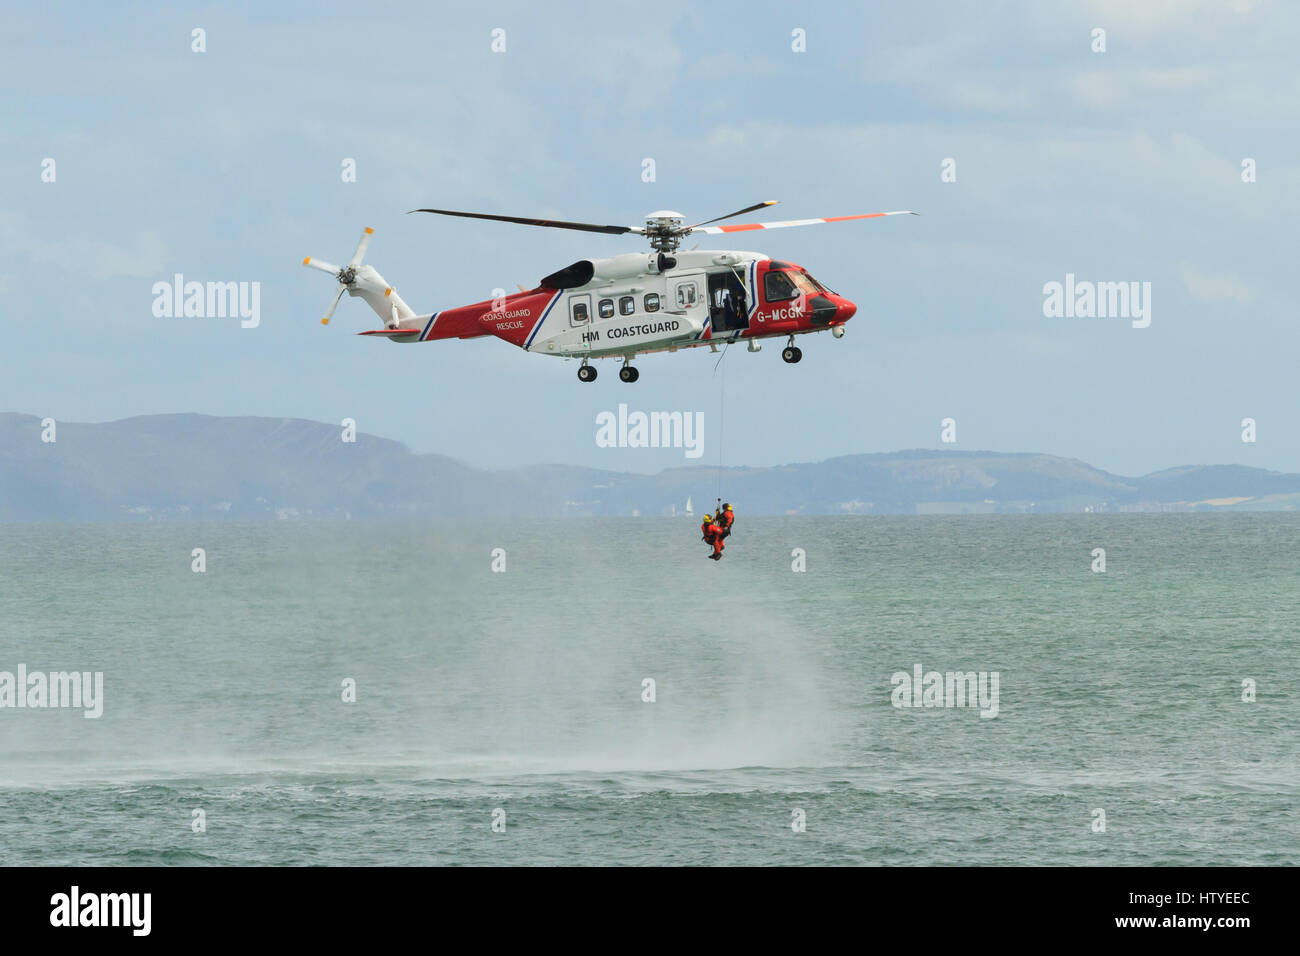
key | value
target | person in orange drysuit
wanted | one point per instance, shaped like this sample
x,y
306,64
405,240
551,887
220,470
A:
x,y
725,519
712,535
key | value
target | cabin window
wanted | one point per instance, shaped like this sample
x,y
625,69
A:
x,y
606,307
580,315
651,302
686,295
627,305
777,287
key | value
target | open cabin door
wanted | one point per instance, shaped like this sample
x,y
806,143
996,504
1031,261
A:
x,y
728,304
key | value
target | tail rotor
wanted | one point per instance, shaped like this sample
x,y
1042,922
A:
x,y
346,275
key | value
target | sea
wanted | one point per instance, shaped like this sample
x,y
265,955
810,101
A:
x,y
597,692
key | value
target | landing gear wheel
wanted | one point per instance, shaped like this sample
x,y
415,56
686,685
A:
x,y
586,373
791,353
628,374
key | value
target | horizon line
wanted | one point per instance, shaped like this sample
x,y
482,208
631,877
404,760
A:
x,y
696,467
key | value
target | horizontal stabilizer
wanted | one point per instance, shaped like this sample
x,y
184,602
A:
x,y
392,333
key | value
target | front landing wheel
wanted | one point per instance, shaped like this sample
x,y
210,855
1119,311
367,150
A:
x,y
586,373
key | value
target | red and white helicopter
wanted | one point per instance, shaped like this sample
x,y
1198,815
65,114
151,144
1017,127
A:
x,y
630,304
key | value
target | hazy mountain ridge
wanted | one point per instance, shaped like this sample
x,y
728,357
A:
x,y
197,466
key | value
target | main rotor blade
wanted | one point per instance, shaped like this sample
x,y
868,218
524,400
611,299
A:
x,y
322,266
361,248
738,212
746,226
523,221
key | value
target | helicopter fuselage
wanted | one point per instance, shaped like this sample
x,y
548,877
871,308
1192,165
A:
x,y
635,303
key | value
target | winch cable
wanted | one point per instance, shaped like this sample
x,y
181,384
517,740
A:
x,y
722,412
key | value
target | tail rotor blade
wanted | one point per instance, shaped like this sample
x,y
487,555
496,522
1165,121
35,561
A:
x,y
333,305
321,265
361,248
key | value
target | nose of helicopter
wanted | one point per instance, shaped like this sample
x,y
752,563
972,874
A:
x,y
846,311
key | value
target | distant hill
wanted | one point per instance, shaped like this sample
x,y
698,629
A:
x,y
198,466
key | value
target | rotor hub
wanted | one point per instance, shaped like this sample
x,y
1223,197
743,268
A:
x,y
665,229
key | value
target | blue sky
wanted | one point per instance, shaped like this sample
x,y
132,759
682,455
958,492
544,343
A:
x,y
225,166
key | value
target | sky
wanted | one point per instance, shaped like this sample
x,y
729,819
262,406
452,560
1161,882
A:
x,y
226,165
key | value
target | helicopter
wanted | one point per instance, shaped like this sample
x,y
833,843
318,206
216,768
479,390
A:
x,y
626,305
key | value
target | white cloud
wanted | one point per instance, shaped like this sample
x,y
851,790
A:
x,y
142,254
1212,288
1154,14
1105,89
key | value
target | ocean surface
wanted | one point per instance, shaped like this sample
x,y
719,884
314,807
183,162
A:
x,y
517,697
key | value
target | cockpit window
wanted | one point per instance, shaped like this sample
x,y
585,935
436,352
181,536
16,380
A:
x,y
778,286
813,284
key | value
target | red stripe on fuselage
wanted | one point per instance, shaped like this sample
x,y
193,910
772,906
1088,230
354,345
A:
x,y
512,322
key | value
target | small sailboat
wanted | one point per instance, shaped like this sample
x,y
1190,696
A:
x,y
690,512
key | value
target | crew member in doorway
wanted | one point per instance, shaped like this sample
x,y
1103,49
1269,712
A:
x,y
725,519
